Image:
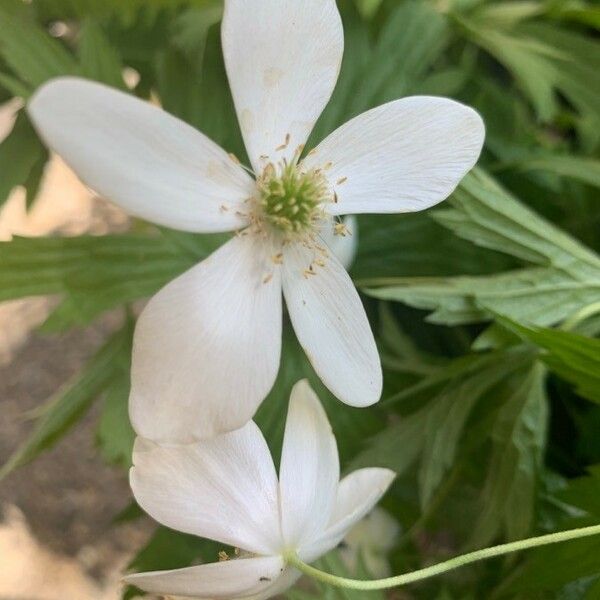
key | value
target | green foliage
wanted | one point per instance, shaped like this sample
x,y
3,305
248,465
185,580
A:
x,y
573,357
563,278
22,159
55,419
487,397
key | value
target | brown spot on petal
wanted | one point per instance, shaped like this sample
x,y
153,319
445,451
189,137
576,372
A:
x,y
247,121
272,76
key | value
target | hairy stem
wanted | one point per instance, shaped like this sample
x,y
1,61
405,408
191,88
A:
x,y
444,567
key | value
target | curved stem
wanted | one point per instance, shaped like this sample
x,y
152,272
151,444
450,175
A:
x,y
444,567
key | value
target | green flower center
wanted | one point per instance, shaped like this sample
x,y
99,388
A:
x,y
291,199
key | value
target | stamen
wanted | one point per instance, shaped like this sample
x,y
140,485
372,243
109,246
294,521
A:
x,y
340,229
290,198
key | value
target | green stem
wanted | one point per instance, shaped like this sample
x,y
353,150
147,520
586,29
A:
x,y
444,567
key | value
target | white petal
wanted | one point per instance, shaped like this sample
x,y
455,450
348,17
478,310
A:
x,y
357,494
310,469
332,327
148,162
403,156
287,579
207,346
237,578
224,489
343,246
283,59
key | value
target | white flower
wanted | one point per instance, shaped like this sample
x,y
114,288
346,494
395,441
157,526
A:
x,y
207,347
226,489
371,540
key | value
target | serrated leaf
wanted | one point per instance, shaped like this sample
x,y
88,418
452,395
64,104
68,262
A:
x,y
519,435
566,280
573,357
69,405
432,436
95,274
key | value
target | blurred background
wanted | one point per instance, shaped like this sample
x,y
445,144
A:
x,y
486,309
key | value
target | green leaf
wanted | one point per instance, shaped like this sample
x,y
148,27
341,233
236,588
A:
x,y
98,58
433,435
584,492
22,158
31,52
412,39
69,405
566,279
519,437
414,245
488,215
114,435
550,568
396,64
576,67
95,274
34,180
530,61
586,170
573,357
205,102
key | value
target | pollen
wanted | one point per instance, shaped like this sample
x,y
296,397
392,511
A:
x,y
290,199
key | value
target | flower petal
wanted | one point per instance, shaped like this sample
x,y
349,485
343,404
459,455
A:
x,y
403,156
237,578
287,579
357,494
148,162
331,325
207,346
310,469
283,59
224,489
